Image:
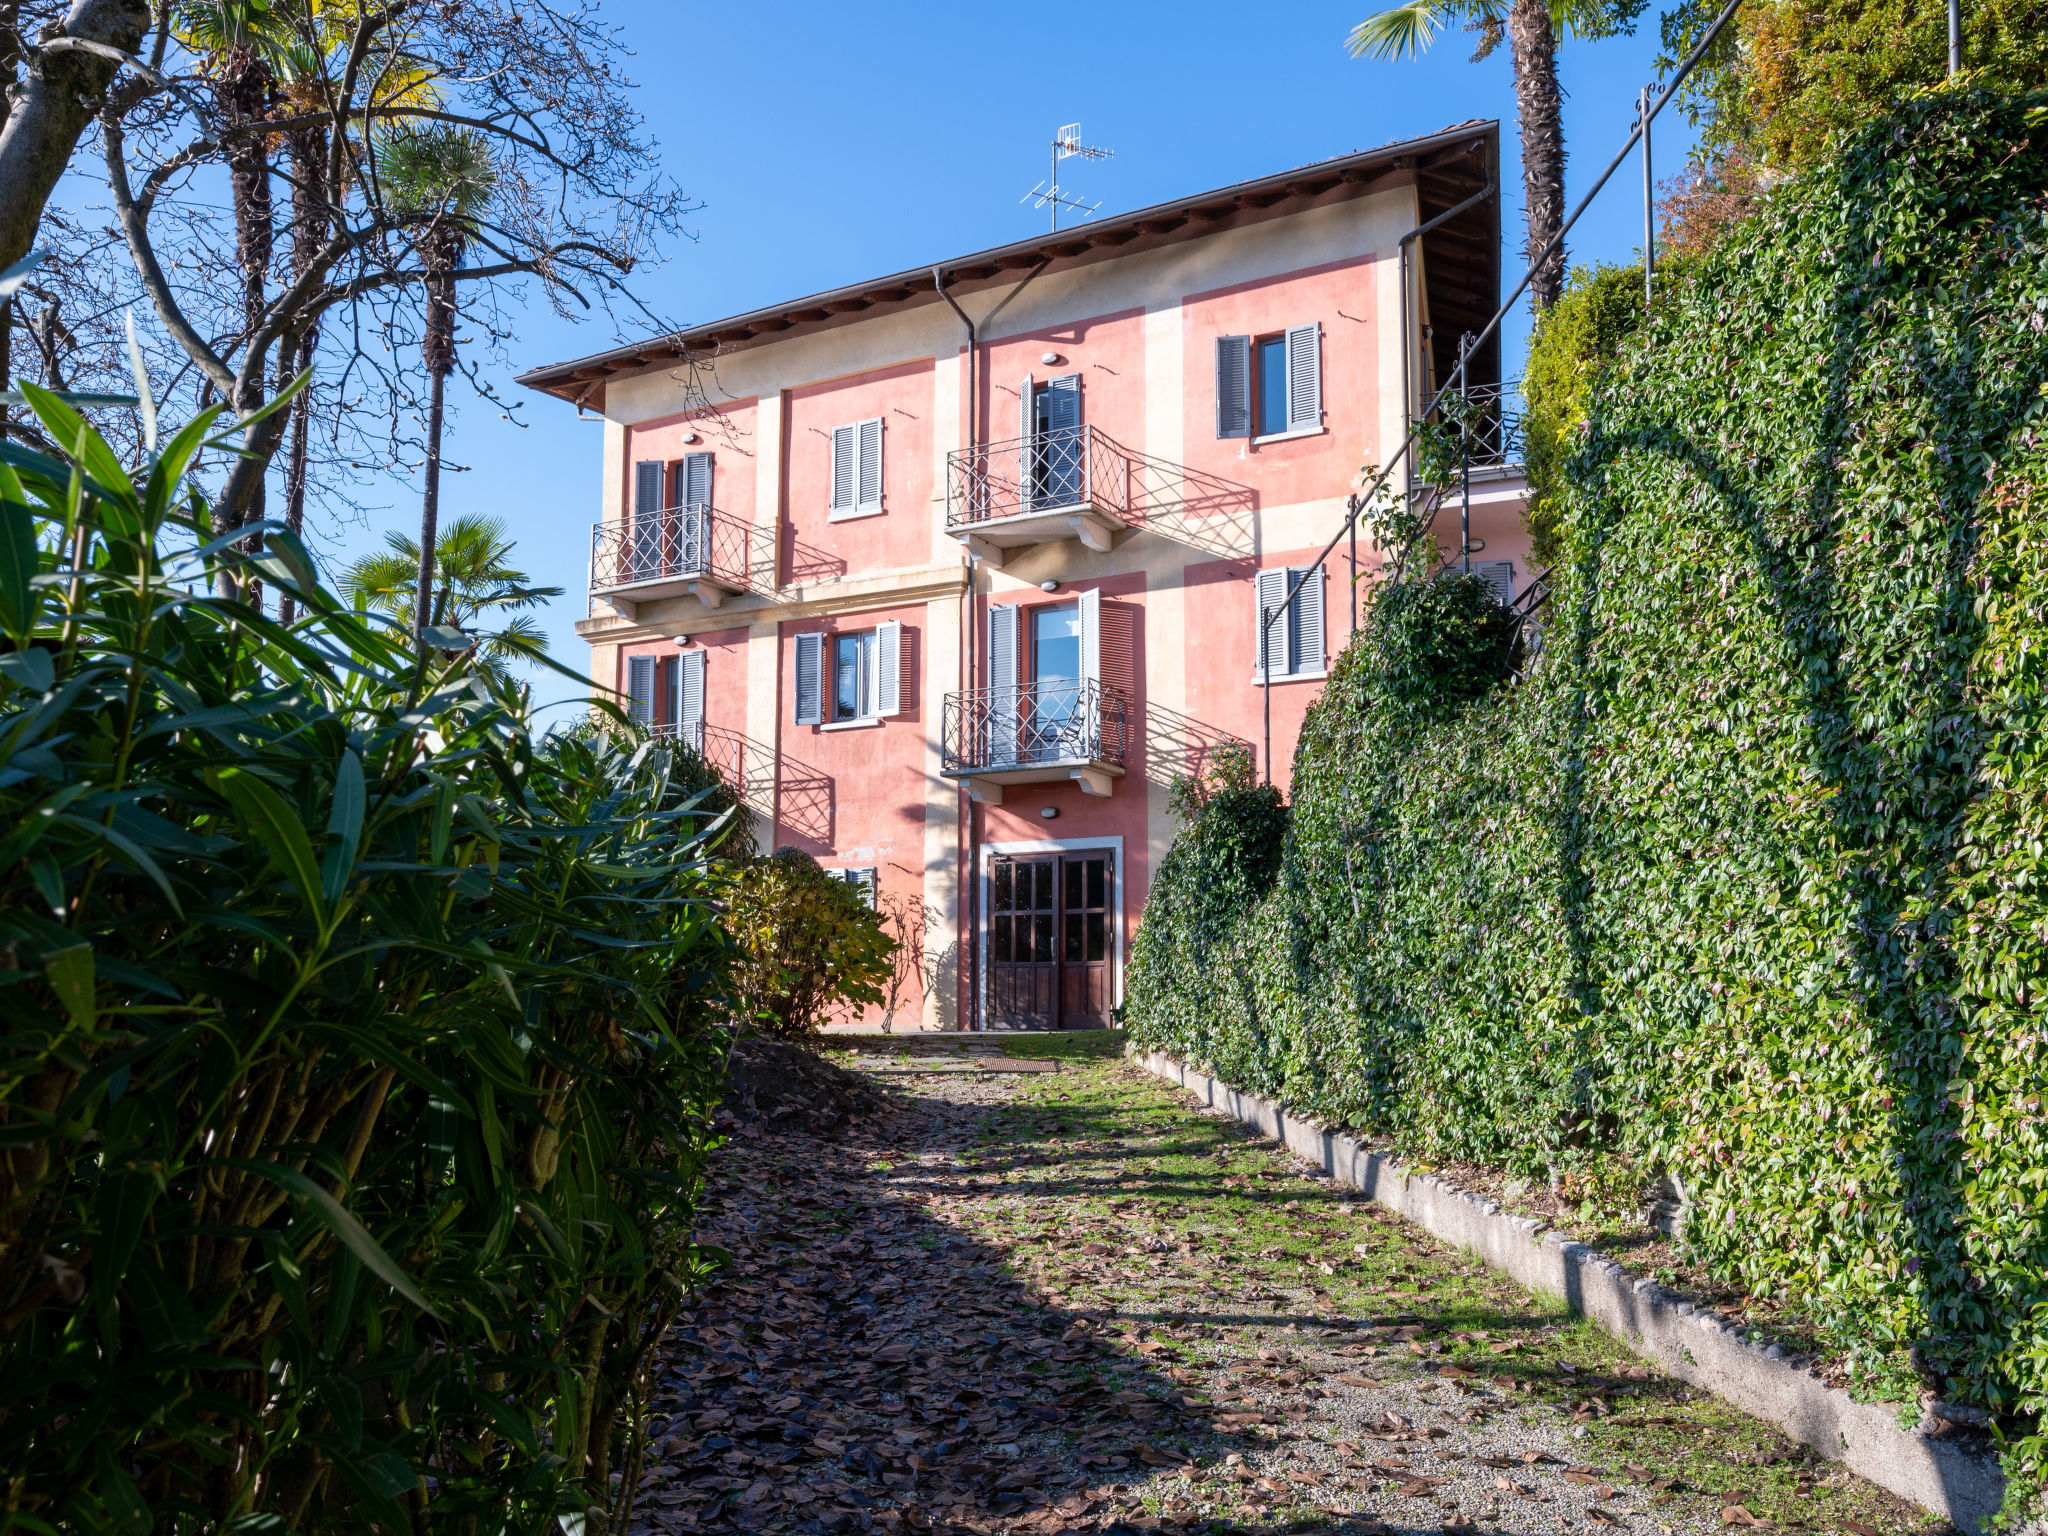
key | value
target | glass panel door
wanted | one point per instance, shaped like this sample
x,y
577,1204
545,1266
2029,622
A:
x,y
1055,683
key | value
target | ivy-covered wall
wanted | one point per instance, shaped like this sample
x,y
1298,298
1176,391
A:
x,y
1746,881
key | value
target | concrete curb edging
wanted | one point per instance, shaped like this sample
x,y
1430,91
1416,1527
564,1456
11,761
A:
x,y
1693,1344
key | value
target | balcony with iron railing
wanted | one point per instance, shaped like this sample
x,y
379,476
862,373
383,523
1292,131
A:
x,y
1067,483
695,550
1040,733
1493,414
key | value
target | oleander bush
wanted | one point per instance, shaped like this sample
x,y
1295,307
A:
x,y
1745,881
359,1047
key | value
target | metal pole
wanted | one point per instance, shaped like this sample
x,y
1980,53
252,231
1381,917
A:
x,y
1266,680
1464,456
1354,575
1955,38
1649,202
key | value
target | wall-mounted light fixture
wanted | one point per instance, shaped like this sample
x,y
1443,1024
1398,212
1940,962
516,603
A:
x,y
689,437
1049,812
682,639
1048,586
1050,359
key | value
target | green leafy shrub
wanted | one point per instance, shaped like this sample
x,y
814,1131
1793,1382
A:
x,y
809,945
359,1048
1744,882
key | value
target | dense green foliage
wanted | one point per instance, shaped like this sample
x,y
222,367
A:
x,y
1747,881
358,1048
808,945
1575,341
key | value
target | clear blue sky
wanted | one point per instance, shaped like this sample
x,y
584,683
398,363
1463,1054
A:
x,y
830,143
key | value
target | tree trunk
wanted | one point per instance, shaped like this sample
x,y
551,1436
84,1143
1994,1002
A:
x,y
51,108
246,91
1533,46
308,149
430,504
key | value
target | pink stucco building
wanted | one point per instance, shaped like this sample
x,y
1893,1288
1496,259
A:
x,y
954,571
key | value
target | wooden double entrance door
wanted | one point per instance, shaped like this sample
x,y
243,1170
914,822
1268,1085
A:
x,y
1052,937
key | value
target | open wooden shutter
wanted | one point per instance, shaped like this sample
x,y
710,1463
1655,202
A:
x,y
810,679
869,479
1304,377
845,469
1089,607
693,481
1271,592
640,688
887,688
1233,386
644,540
690,697
1002,683
1028,446
1307,625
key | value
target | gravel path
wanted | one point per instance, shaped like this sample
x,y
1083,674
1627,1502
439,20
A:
x,y
1063,1300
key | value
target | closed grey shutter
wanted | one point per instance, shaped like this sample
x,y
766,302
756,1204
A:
x,y
810,679
1304,377
644,558
1499,575
1308,621
1003,692
887,691
870,476
1065,462
694,480
863,880
845,468
1028,467
1270,591
690,698
640,688
1233,386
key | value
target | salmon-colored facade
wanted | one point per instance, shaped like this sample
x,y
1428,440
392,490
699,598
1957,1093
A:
x,y
954,573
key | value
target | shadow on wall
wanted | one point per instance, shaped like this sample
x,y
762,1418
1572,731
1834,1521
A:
x,y
1191,507
1178,746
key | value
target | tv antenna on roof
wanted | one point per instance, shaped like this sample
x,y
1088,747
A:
x,y
1066,145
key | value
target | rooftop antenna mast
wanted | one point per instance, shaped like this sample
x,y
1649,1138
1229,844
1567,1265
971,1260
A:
x,y
1066,145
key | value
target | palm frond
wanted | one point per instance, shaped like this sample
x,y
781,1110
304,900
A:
x,y
1402,31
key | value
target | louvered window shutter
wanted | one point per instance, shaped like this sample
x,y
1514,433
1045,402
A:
x,y
1499,575
690,697
870,476
1304,377
1002,683
1271,591
694,481
845,468
1089,606
888,689
810,679
1027,399
644,542
1233,386
647,487
1308,622
1063,403
640,688
863,880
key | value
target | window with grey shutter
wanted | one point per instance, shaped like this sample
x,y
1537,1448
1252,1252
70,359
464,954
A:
x,y
1304,377
690,698
693,480
1002,683
1233,386
887,692
644,540
1499,575
868,480
640,688
1270,591
810,679
845,470
1308,620
862,880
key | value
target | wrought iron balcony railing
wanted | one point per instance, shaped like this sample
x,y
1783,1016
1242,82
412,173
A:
x,y
677,545
1041,725
1495,412
1025,485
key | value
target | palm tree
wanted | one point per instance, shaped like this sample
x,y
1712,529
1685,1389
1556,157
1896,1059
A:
x,y
475,580
444,180
1532,28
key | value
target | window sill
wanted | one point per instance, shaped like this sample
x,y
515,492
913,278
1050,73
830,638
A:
x,y
855,515
861,724
1288,437
1292,677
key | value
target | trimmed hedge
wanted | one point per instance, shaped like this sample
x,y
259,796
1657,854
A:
x,y
1747,882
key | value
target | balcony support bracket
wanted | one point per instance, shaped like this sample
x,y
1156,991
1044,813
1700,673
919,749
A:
x,y
1093,532
981,792
710,594
625,609
981,549
1093,781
